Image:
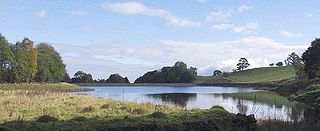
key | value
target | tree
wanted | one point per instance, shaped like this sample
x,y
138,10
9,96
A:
x,y
82,77
6,61
271,65
311,59
116,78
26,60
279,64
179,73
217,73
292,59
50,65
242,64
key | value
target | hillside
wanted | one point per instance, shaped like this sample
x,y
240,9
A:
x,y
264,74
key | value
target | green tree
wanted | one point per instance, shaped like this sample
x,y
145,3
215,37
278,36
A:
x,y
26,60
279,64
82,77
50,64
242,64
293,59
179,73
6,61
217,73
311,59
116,78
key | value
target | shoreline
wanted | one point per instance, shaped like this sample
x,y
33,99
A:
x,y
263,86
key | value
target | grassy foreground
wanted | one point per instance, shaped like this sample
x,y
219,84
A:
x,y
30,108
43,87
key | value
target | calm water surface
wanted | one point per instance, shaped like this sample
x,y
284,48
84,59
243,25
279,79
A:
x,y
202,97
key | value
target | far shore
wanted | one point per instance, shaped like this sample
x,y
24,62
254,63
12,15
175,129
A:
x,y
264,86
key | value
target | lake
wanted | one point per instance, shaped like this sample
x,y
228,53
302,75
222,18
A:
x,y
202,97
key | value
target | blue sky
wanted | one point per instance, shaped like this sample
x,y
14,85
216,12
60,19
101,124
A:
x,y
131,37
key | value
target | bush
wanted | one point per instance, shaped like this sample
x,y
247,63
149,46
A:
x,y
158,115
105,106
79,118
46,119
139,111
217,107
89,109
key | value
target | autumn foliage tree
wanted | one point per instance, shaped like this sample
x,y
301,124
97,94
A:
x,y
26,60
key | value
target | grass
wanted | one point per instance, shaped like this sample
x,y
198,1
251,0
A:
x,y
21,110
264,74
43,87
267,97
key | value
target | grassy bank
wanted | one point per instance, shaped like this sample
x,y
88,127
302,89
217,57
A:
x,y
256,75
32,110
44,87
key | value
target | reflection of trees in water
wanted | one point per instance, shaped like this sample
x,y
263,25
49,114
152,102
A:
x,y
296,112
242,107
178,99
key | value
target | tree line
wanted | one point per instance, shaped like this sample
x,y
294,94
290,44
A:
x,y
82,77
178,73
27,62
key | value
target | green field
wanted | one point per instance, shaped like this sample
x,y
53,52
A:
x,y
264,74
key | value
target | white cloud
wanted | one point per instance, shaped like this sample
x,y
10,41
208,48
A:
x,y
219,16
247,28
289,34
222,26
78,12
243,8
40,13
101,60
136,8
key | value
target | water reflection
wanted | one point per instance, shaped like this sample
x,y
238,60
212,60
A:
x,y
203,98
177,99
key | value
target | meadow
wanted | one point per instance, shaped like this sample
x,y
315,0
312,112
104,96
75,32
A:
x,y
256,75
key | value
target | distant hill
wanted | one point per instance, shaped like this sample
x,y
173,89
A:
x,y
264,74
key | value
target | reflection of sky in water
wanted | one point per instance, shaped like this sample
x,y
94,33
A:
x,y
194,97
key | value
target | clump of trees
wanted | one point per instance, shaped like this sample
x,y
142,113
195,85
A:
x,y
82,77
116,78
179,73
25,62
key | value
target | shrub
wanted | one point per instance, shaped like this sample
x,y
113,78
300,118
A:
x,y
158,114
139,111
105,106
217,107
46,119
79,118
89,109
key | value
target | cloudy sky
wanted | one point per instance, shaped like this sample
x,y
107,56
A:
x,y
131,37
